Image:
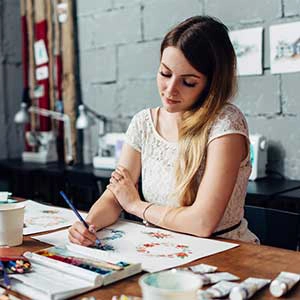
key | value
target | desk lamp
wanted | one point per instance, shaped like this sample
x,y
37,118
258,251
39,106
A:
x,y
109,144
86,119
44,140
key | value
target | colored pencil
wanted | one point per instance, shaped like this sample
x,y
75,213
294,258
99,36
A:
x,y
98,243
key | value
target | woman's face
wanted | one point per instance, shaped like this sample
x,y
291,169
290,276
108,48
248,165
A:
x,y
179,84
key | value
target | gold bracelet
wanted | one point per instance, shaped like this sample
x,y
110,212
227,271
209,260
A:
x,y
145,222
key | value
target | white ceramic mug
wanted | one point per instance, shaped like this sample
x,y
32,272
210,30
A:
x,y
170,285
11,224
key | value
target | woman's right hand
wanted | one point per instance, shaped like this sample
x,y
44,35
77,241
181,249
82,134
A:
x,y
79,234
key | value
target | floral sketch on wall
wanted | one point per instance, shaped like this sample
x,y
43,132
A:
x,y
247,44
285,48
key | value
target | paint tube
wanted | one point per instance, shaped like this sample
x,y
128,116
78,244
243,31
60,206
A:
x,y
203,268
247,288
216,277
221,289
283,283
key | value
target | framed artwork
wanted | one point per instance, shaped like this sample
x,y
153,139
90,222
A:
x,y
285,48
247,44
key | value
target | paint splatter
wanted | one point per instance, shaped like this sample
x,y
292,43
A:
x,y
50,211
104,247
113,234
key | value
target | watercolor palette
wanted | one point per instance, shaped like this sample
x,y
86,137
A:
x,y
98,266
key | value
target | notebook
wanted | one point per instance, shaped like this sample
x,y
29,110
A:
x,y
58,273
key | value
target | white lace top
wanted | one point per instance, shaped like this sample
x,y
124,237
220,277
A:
x,y
158,157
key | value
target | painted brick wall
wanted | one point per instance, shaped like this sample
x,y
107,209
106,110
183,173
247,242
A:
x,y
11,138
119,54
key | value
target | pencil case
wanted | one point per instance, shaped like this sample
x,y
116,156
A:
x,y
15,264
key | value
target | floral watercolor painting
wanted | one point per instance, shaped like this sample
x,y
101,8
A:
x,y
167,250
40,217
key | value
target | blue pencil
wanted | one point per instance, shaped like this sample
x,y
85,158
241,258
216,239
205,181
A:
x,y
5,276
98,243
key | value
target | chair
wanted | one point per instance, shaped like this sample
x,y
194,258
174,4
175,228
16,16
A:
x,y
274,227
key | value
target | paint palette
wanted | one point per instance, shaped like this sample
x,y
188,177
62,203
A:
x,y
100,267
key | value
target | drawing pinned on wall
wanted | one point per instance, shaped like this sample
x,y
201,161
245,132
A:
x,y
285,48
247,45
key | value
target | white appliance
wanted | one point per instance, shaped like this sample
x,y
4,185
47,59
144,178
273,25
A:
x,y
110,146
258,156
45,142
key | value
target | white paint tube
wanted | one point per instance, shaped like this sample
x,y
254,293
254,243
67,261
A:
x,y
248,288
220,289
203,268
283,283
216,277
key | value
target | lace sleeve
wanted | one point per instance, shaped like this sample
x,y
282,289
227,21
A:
x,y
229,121
134,133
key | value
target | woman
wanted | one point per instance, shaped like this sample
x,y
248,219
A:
x,y
193,152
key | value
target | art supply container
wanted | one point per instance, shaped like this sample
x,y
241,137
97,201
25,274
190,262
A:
x,y
11,224
170,285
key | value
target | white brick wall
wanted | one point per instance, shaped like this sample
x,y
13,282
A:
x,y
119,48
259,94
138,60
161,16
98,65
291,8
117,26
90,7
235,11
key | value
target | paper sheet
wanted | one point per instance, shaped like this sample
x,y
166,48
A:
x,y
40,217
156,249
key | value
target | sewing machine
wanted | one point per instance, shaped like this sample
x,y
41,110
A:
x,y
110,146
258,156
45,143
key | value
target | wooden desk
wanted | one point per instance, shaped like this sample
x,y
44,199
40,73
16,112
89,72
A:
x,y
244,261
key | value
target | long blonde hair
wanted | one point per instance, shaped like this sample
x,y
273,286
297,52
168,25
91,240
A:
x,y
205,43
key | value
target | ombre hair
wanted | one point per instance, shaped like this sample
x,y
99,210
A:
x,y
205,43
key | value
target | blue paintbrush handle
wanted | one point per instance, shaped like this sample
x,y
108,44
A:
x,y
5,276
74,209
98,243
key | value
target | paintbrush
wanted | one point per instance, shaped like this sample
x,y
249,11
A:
x,y
97,242
5,276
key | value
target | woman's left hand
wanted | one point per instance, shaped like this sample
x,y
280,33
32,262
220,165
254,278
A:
x,y
123,188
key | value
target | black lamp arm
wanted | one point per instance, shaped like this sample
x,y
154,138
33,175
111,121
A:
x,y
95,114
